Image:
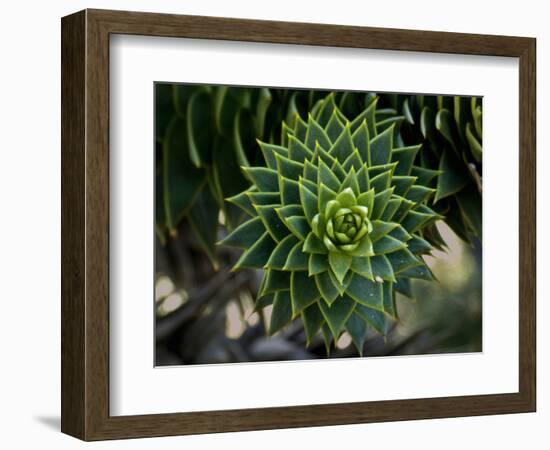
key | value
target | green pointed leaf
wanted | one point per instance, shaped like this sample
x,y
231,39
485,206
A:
x,y
263,301
265,179
317,263
381,182
272,221
278,256
310,185
363,179
337,314
320,154
313,319
289,210
257,255
405,157
393,205
310,172
242,200
314,245
315,134
351,182
419,194
327,337
297,259
281,314
391,123
368,115
366,292
326,110
290,191
366,199
402,260
452,179
361,141
334,127
420,272
404,207
364,249
308,201
325,195
400,234
246,234
389,299
300,129
298,226
275,280
288,168
269,151
382,268
326,287
340,263
381,147
362,266
263,198
343,147
414,221
303,292
353,161
403,286
346,198
402,184
297,151
356,326
424,176
417,245
381,229
381,200
327,177
376,319
377,170
286,131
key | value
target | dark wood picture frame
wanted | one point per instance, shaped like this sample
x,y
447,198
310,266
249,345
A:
x,y
85,224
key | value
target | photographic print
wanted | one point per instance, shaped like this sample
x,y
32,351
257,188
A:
x,y
299,224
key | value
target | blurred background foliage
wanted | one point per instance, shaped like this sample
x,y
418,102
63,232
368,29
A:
x,y
205,313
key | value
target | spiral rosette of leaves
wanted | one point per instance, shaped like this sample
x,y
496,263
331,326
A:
x,y
335,221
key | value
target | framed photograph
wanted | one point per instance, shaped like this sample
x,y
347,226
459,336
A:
x,y
273,225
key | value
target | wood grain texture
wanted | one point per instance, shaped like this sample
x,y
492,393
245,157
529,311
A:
x,y
73,112
85,224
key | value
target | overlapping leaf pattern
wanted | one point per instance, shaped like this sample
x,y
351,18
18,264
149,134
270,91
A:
x,y
335,219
